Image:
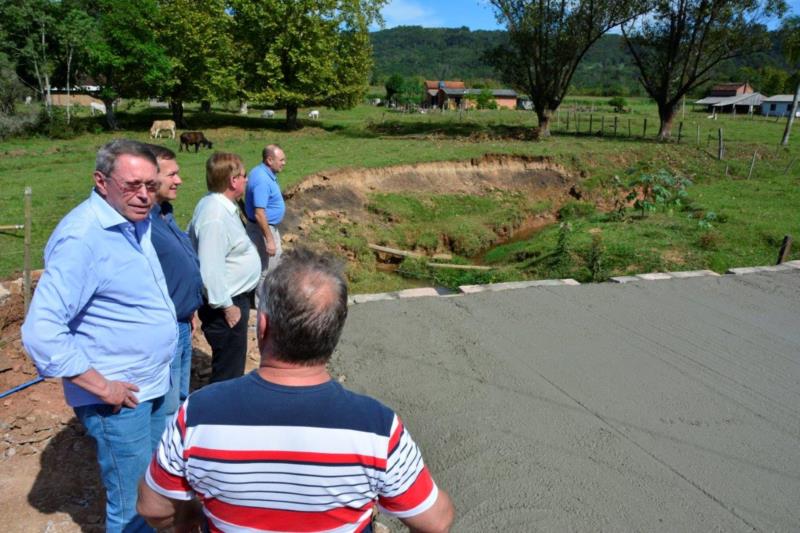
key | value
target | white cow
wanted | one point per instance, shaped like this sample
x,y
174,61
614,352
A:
x,y
159,125
268,113
314,115
94,106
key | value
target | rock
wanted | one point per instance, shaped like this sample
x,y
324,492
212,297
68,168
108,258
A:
x,y
11,452
342,378
381,528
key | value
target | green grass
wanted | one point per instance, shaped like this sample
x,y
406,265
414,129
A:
x,y
756,213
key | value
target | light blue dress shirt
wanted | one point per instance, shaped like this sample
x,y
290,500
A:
x,y
102,302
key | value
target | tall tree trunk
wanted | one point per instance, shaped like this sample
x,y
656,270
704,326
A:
x,y
176,106
666,114
111,119
291,118
790,120
69,102
543,115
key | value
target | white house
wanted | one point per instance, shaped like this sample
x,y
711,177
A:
x,y
778,106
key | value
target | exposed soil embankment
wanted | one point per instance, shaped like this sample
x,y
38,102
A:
x,y
345,192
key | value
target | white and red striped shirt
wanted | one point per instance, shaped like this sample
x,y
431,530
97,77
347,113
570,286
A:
x,y
266,457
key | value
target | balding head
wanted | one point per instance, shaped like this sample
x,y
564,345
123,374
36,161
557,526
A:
x,y
305,301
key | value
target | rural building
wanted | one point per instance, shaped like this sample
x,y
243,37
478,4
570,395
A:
x,y
730,89
779,105
448,98
431,98
61,99
742,103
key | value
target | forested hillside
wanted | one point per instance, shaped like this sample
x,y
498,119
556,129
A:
x,y
607,69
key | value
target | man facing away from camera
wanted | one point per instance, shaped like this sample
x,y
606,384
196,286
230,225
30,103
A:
x,y
102,319
286,448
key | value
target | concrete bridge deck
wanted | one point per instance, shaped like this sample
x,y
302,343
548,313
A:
x,y
668,405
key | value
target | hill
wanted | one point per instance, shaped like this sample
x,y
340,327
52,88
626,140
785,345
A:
x,y
607,68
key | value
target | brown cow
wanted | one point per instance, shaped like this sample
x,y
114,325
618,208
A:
x,y
196,138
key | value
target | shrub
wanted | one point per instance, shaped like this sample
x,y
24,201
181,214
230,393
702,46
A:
x,y
660,189
618,103
485,100
576,209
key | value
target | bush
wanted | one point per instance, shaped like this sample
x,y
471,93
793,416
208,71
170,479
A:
x,y
576,209
17,125
618,103
660,189
485,100
54,125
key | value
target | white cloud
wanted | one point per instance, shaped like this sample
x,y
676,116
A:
x,y
410,13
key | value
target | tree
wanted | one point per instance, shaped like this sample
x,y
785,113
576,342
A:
x,y
126,60
199,41
790,33
11,89
75,31
677,46
485,100
547,40
305,52
30,25
393,86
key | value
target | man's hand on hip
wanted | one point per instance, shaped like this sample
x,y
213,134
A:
x,y
121,394
232,315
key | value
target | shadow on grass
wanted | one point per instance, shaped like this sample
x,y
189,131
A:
x,y
453,130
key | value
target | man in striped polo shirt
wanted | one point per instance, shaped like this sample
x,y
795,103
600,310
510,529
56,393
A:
x,y
286,448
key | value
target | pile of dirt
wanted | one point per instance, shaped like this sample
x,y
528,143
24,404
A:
x,y
344,192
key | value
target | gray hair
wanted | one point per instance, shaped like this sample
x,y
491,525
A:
x,y
269,151
305,298
108,154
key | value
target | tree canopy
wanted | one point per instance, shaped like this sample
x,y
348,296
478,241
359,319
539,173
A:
x,y
548,39
678,45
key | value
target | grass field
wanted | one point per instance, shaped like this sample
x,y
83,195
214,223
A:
x,y
726,220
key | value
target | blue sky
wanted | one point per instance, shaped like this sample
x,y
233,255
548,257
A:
x,y
474,14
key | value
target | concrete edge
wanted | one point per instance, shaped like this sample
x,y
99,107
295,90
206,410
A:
x,y
510,285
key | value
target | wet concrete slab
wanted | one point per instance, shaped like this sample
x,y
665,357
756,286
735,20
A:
x,y
670,405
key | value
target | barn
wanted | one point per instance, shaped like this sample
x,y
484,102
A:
x,y
779,105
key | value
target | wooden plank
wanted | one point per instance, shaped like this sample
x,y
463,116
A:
x,y
395,251
459,267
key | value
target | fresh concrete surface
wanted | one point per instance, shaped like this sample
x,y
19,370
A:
x,y
668,405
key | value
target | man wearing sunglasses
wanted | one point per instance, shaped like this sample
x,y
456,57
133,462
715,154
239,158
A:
x,y
102,319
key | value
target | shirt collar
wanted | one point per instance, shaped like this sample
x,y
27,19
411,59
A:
x,y
163,208
230,205
110,217
270,172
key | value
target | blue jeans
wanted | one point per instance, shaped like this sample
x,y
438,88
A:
x,y
180,370
125,444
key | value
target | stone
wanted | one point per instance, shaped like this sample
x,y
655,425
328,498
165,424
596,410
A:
x,y
418,292
693,273
742,270
654,276
4,293
364,298
624,279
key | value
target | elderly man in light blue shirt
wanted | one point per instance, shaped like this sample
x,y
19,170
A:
x,y
102,320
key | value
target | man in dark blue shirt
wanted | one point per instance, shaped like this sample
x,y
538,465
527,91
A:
x,y
181,270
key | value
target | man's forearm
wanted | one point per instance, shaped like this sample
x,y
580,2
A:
x,y
263,223
116,393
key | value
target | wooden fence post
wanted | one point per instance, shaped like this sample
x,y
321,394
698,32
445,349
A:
x,y
644,129
602,124
720,146
629,127
616,119
698,134
577,123
567,120
591,120
786,247
26,277
680,131
752,164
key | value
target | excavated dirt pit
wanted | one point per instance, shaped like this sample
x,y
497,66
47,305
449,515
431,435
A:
x,y
344,194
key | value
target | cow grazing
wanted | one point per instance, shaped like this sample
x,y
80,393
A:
x,y
314,115
159,125
196,138
268,113
100,108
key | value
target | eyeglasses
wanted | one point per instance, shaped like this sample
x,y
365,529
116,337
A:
x,y
130,187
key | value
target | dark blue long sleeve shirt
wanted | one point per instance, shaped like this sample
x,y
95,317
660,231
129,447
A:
x,y
178,261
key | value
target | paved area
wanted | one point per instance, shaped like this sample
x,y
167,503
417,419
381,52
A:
x,y
665,405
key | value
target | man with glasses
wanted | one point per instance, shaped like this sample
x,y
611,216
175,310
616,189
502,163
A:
x,y
229,265
102,319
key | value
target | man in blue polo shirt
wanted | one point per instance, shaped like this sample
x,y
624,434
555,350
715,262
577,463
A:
x,y
264,208
102,319
181,270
